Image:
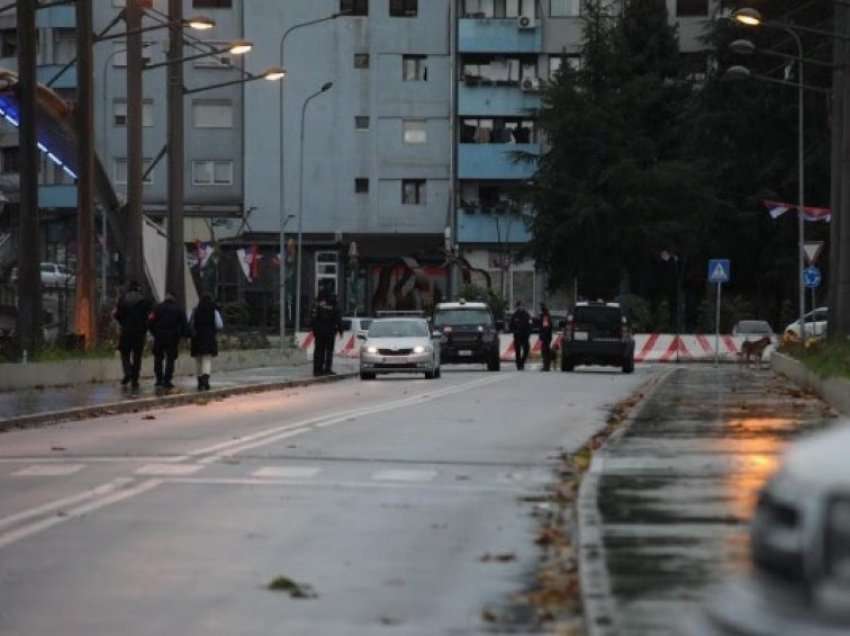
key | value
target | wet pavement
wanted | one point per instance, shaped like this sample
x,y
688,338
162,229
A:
x,y
34,401
668,502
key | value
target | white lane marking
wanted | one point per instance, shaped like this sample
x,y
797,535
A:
x,y
85,458
291,472
105,489
268,436
404,475
49,470
39,526
168,470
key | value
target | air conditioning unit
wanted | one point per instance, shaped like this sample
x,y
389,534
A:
x,y
530,85
526,22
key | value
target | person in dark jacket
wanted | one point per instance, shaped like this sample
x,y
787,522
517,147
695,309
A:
x,y
131,314
521,329
204,324
545,336
326,321
168,325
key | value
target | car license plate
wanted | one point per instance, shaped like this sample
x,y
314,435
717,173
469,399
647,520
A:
x,y
464,352
580,335
395,360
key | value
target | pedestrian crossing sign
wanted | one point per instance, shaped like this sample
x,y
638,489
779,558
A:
x,y
719,270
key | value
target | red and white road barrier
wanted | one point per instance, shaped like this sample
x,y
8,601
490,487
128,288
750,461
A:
x,y
648,347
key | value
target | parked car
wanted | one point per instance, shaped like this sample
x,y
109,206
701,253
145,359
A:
x,y
52,275
359,325
467,333
597,333
399,345
754,329
816,323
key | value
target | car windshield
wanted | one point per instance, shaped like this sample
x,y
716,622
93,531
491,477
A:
x,y
602,316
398,329
755,327
472,316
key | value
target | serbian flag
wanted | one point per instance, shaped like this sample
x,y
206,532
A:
x,y
810,213
249,261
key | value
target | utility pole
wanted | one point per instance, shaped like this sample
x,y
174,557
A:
x,y
840,310
134,254
29,252
836,173
174,278
84,308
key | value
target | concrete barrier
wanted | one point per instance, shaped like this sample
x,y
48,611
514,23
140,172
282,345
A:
x,y
835,391
82,371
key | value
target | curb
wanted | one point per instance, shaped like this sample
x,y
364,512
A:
x,y
166,401
834,391
599,615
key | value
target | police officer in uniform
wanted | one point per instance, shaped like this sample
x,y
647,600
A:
x,y
326,320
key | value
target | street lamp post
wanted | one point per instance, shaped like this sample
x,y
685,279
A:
x,y
284,219
751,17
325,87
174,273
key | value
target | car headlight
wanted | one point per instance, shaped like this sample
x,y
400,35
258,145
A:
x,y
371,349
838,539
421,349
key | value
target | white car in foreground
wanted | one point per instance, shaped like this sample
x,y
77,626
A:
x,y
800,540
398,345
816,322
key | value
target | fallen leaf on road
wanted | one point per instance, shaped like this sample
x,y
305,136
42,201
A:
x,y
149,417
293,588
489,616
503,557
58,448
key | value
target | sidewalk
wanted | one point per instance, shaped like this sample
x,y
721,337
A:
x,y
74,400
664,509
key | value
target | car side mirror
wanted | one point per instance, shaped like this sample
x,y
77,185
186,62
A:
x,y
361,336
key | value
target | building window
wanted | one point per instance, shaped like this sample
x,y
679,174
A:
x,y
64,45
557,62
404,8
691,8
498,70
499,130
212,173
219,60
414,131
695,64
8,42
414,68
499,8
361,122
327,271
361,60
565,8
119,113
361,185
212,114
119,54
354,7
120,175
212,4
10,157
413,191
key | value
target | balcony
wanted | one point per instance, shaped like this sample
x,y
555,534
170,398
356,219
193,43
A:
x,y
489,100
63,17
46,72
498,35
494,161
57,196
481,226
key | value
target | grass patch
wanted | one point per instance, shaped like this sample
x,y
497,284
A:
x,y
57,354
825,358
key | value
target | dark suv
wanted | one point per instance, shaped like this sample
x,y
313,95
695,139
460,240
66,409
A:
x,y
597,333
467,334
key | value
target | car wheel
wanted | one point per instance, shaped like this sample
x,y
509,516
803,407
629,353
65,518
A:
x,y
494,364
367,376
629,365
429,375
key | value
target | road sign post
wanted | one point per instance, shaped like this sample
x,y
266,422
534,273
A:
x,y
812,279
719,272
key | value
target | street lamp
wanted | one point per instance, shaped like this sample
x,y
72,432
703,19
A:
x,y
284,306
752,17
325,87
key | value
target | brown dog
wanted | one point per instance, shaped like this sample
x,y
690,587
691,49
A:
x,y
754,349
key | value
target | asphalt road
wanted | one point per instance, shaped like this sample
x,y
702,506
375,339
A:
x,y
382,497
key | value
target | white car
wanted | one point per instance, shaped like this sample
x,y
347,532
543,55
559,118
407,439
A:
x,y
800,544
358,324
52,275
398,345
816,321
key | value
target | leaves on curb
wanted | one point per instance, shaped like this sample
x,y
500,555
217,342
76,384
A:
x,y
293,588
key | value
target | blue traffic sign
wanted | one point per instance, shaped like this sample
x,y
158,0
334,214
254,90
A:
x,y
811,277
719,270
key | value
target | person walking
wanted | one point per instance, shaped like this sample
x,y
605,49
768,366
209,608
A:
x,y
168,325
545,336
521,329
131,314
204,323
326,321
